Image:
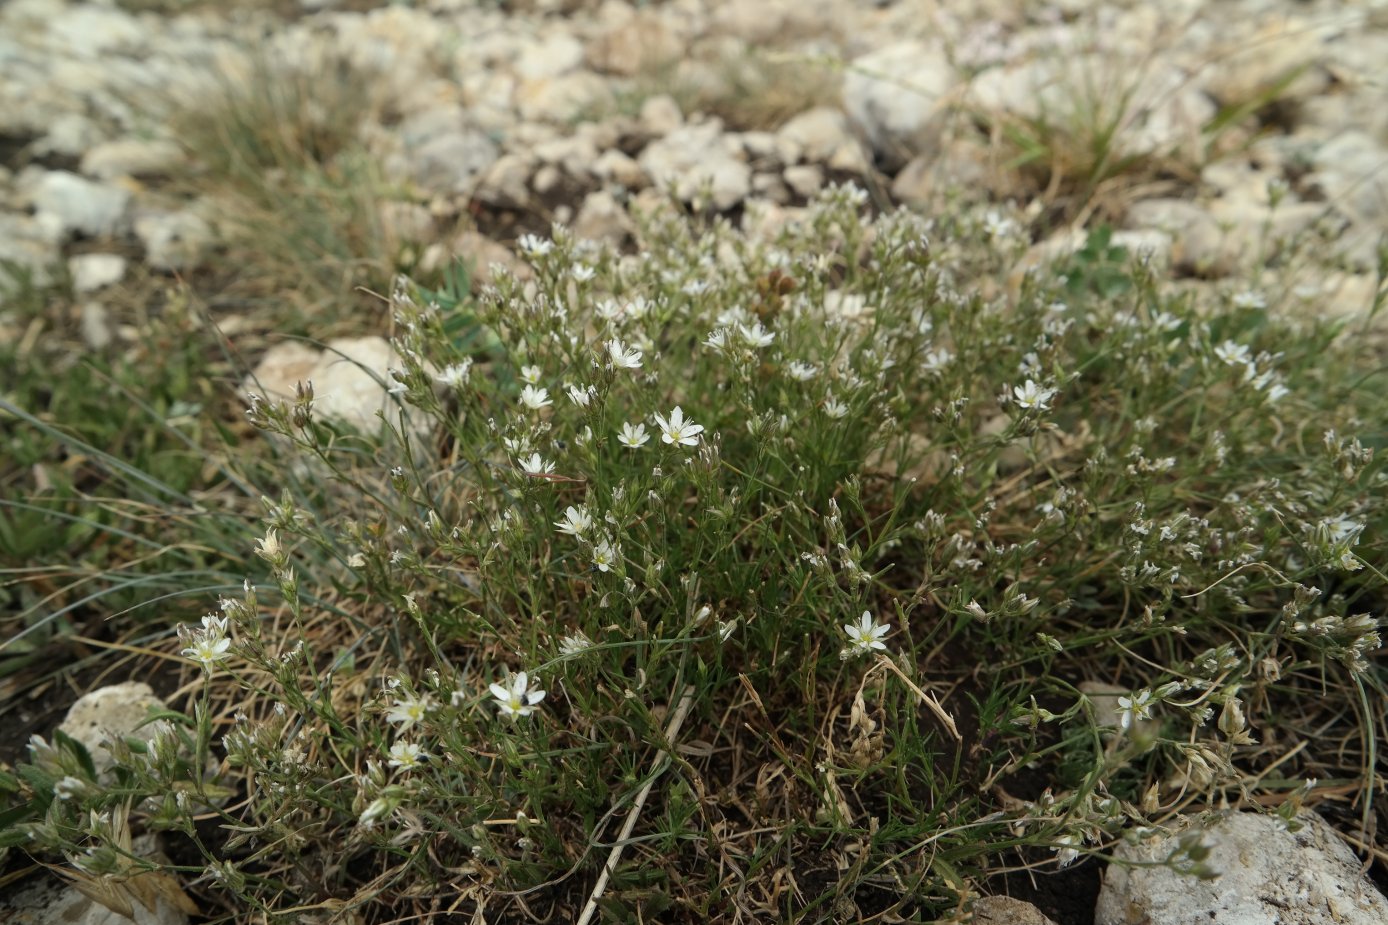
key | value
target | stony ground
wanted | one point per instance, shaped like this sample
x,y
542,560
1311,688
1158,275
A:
x,y
231,146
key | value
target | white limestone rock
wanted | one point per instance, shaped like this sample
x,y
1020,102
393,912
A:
x,y
896,94
132,157
77,205
111,712
91,272
695,158
174,240
1267,875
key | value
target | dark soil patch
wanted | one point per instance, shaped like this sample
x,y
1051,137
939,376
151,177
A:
x,y
1067,896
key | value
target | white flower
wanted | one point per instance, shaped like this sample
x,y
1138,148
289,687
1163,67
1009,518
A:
x,y
208,648
676,430
69,787
455,375
576,520
608,310
530,374
518,699
1232,353
1249,298
1031,396
581,395
633,436
835,408
998,225
936,360
535,465
605,556
393,384
756,336
1134,707
717,340
623,357
407,755
409,710
802,372
534,245
581,272
534,398
865,635
214,625
574,644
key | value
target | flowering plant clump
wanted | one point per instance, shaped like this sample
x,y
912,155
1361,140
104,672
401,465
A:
x,y
813,536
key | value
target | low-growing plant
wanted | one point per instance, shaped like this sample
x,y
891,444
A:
x,y
748,578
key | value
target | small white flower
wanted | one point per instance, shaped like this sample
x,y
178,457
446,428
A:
x,y
1249,298
865,635
936,360
409,710
534,245
208,649
214,625
575,643
605,556
998,225
756,336
581,272
633,436
802,372
534,398
535,465
455,375
530,374
518,699
1233,354
677,430
835,408
608,310
407,755
1031,396
576,521
69,787
393,384
581,395
1134,707
623,357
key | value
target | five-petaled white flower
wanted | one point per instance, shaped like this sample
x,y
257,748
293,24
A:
x,y
534,245
573,645
802,372
582,272
1032,396
756,336
530,374
835,408
518,699
605,556
1134,707
208,648
1232,353
623,357
576,520
633,436
865,635
677,430
409,710
534,398
454,376
407,755
535,465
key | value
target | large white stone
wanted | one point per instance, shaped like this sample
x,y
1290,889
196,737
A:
x,y
1268,876
897,94
111,712
695,158
91,272
174,240
78,205
348,378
